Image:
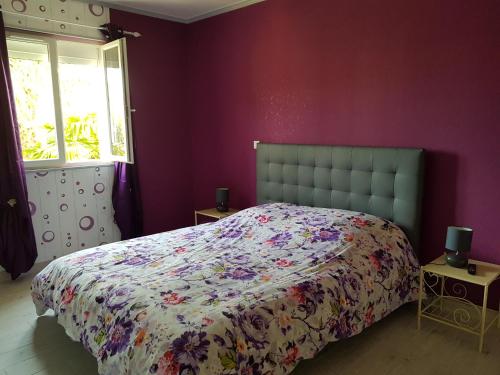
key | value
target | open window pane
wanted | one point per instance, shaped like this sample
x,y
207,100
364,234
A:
x,y
71,99
32,83
83,102
117,93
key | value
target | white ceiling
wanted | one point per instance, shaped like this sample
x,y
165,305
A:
x,y
185,11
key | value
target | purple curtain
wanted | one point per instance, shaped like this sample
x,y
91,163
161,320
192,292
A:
x,y
126,196
127,200
17,238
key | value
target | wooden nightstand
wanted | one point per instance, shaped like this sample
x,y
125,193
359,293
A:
x,y
454,309
213,213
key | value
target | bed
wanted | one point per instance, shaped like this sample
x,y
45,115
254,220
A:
x,y
329,250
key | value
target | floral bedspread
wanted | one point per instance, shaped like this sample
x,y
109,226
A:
x,y
251,294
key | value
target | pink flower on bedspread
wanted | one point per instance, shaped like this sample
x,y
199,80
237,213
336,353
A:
x,y
284,263
68,295
360,222
167,365
172,298
369,317
292,354
207,321
375,262
297,294
264,219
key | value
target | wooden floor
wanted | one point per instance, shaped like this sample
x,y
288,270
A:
x,y
31,345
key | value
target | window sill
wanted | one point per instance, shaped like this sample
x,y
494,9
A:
x,y
89,164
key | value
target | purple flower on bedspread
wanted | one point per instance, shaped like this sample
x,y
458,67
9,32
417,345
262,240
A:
x,y
254,327
191,348
316,221
341,327
118,298
280,240
231,233
239,259
118,335
122,292
84,339
240,274
193,234
351,286
405,285
326,234
185,270
137,260
232,294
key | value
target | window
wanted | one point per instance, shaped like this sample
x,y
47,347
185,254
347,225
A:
x,y
72,100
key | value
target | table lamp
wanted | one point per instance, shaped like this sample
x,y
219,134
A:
x,y
222,199
458,241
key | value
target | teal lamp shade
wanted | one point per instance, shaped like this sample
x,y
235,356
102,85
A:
x,y
458,244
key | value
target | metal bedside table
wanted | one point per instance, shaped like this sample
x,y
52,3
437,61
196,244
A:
x,y
460,316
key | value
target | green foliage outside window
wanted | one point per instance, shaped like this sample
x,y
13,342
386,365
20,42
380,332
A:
x,y
80,135
39,142
118,142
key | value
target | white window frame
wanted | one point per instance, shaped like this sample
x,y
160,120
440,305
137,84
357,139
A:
x,y
121,44
61,162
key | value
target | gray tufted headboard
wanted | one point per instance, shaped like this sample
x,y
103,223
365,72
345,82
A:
x,y
386,182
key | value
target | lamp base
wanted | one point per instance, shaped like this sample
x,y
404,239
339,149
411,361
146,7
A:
x,y
222,206
458,260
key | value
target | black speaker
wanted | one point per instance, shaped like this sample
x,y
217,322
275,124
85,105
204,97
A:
x,y
471,268
222,199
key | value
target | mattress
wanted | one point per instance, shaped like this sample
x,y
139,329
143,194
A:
x,y
253,293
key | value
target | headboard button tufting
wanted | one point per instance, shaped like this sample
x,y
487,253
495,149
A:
x,y
358,178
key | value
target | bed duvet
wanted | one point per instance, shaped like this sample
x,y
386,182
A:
x,y
253,293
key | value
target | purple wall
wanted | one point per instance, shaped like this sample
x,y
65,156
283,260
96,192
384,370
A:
x,y
379,73
416,73
157,88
